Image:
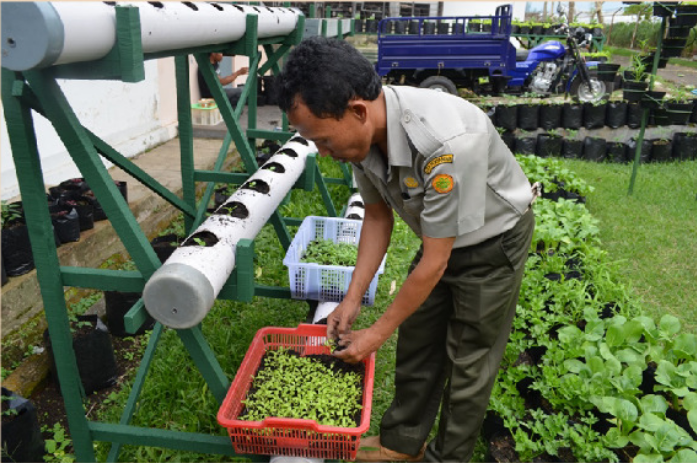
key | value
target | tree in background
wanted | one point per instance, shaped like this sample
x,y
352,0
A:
x,y
642,12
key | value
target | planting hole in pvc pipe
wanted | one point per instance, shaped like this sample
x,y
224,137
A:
x,y
239,8
357,204
288,152
274,167
191,5
256,185
216,6
300,140
354,217
157,4
202,238
233,209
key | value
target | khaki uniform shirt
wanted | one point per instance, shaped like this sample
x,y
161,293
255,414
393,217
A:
x,y
448,173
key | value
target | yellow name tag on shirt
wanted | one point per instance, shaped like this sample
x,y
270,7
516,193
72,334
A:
x,y
446,158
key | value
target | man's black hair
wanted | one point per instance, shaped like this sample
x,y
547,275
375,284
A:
x,y
327,74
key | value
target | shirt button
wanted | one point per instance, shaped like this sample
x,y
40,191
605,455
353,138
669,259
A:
x,y
406,118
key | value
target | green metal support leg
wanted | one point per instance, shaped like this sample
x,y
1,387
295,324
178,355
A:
x,y
20,129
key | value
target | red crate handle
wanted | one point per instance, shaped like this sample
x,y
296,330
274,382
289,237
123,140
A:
x,y
294,423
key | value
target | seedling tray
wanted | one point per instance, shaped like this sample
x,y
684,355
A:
x,y
324,282
287,436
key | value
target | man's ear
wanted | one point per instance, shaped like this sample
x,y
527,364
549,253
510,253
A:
x,y
359,109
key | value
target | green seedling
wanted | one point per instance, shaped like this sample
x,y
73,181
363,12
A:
x,y
326,252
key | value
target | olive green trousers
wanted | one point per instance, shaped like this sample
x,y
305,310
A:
x,y
449,350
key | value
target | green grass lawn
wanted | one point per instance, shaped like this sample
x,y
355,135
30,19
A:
x,y
652,233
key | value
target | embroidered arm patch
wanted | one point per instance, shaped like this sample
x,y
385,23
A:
x,y
446,158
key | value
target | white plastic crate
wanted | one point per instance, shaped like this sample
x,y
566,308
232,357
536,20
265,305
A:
x,y
324,282
205,112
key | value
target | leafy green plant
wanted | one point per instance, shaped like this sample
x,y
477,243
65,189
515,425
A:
x,y
57,448
292,386
327,252
10,213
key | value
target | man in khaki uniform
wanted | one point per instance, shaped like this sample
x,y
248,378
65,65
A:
x,y
438,162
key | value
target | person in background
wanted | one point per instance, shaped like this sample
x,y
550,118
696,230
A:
x,y
439,163
233,94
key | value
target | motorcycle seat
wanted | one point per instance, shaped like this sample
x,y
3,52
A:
x,y
521,55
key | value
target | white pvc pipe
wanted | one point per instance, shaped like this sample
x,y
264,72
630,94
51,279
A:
x,y
355,208
323,310
183,290
41,34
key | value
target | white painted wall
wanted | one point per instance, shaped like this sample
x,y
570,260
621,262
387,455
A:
x,y
130,117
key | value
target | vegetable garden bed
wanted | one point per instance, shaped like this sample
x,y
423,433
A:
x,y
586,377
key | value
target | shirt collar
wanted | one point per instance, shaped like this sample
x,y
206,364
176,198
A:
x,y
398,149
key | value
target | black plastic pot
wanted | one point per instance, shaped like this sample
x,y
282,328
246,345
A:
x,y
117,306
679,113
616,152
645,153
123,188
524,29
66,223
413,27
429,28
594,149
652,99
663,9
507,117
607,71
594,115
21,434
529,116
458,28
94,353
660,116
525,145
165,245
16,249
572,116
634,114
548,145
443,28
550,116
84,209
616,114
633,95
358,25
572,149
661,150
4,280
684,146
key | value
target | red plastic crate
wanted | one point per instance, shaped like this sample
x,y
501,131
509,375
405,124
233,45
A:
x,y
289,436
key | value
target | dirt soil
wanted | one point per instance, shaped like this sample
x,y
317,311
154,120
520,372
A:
x,y
48,400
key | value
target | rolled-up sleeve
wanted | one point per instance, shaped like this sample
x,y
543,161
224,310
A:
x,y
455,192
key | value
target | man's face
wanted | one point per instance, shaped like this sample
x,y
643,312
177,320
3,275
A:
x,y
346,139
216,57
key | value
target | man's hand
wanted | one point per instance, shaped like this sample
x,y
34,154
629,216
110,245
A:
x,y
341,319
243,71
359,344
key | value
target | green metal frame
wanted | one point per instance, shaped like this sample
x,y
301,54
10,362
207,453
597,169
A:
x,y
39,91
645,115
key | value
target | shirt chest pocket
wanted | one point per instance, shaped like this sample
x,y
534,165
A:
x,y
414,201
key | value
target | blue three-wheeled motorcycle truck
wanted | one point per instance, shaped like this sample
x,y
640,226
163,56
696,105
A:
x,y
412,51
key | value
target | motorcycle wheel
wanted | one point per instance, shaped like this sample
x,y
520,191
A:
x,y
440,84
591,92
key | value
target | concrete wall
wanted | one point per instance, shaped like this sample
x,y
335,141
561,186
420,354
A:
x,y
130,117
